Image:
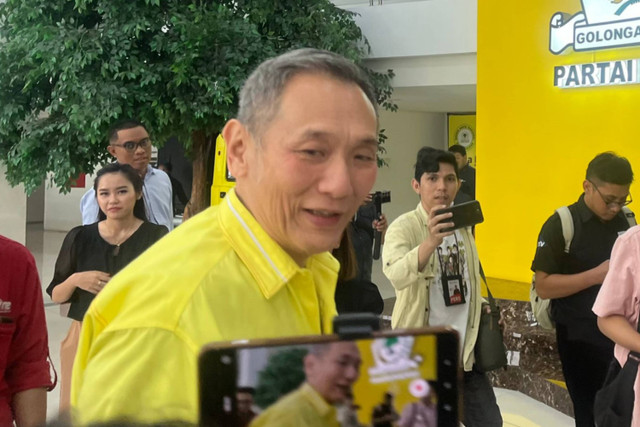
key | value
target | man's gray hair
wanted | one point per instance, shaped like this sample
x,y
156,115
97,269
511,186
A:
x,y
260,94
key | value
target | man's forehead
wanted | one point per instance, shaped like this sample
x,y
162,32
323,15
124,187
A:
x,y
132,134
445,169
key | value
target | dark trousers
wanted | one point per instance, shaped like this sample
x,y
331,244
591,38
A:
x,y
584,366
480,408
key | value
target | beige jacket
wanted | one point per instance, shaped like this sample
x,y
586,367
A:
x,y
400,265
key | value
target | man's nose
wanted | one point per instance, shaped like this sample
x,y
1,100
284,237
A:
x,y
352,373
139,149
337,178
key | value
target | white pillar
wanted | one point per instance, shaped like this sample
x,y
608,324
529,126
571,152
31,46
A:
x,y
13,209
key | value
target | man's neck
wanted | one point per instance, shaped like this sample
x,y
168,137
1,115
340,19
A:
x,y
143,172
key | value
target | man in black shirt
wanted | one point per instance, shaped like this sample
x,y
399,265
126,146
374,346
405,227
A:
x,y
466,173
384,414
361,230
572,280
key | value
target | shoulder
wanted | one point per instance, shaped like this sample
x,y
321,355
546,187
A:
x,y
630,237
158,176
408,221
553,223
88,196
16,252
154,229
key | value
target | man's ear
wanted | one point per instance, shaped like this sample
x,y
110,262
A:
x,y
585,185
238,141
308,363
415,185
112,150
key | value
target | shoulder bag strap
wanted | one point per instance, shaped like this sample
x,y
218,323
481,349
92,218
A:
x,y
630,216
492,302
567,226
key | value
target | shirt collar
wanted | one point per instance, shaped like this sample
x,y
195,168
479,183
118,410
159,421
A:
x,y
270,266
150,171
584,213
321,406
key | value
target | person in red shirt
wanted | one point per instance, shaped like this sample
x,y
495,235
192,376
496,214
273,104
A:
x,y
24,368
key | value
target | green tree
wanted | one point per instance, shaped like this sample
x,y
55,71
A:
x,y
73,67
283,373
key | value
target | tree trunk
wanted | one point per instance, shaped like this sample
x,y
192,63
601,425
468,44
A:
x,y
201,185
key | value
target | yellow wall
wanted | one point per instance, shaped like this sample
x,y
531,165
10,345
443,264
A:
x,y
537,139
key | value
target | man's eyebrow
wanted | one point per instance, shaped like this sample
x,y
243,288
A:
x,y
319,134
134,141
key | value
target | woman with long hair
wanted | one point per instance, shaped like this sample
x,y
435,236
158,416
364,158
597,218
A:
x,y
92,254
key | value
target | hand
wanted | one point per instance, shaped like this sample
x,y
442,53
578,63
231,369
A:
x,y
437,223
91,281
501,323
380,224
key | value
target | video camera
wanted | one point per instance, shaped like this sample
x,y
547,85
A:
x,y
378,198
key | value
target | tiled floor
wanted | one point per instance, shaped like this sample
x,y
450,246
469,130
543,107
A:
x,y
517,409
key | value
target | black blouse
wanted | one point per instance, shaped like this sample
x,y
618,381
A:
x,y
84,249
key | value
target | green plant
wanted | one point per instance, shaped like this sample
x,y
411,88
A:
x,y
71,68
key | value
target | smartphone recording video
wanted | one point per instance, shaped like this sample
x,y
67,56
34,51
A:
x,y
406,378
465,214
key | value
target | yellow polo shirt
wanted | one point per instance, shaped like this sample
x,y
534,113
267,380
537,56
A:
x,y
217,277
303,407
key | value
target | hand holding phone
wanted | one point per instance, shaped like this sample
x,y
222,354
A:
x,y
463,215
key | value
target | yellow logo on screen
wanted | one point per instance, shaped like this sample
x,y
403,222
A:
x,y
394,359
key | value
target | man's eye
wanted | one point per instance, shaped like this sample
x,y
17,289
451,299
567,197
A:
x,y
312,153
129,145
365,157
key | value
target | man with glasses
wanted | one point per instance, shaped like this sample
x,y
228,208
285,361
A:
x,y
572,279
129,143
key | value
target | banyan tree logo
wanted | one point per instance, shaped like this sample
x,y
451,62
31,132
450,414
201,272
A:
x,y
602,24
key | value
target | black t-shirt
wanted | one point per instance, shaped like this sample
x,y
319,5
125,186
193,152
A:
x,y
84,249
362,236
591,245
468,185
383,410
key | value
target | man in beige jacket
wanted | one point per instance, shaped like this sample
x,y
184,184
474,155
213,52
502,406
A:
x,y
426,264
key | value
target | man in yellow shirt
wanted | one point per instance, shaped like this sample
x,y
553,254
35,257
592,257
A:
x,y
303,152
330,371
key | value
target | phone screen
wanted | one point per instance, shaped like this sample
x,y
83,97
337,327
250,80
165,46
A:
x,y
463,215
406,378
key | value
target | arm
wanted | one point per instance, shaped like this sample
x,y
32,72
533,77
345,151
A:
x,y
617,303
381,225
618,329
549,262
404,264
65,277
562,285
154,359
30,407
27,374
89,207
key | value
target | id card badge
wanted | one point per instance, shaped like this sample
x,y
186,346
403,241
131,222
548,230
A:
x,y
452,290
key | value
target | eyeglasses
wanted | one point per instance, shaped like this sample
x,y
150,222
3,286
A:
x,y
610,201
133,146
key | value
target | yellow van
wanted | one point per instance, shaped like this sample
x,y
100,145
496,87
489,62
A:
x,y
222,179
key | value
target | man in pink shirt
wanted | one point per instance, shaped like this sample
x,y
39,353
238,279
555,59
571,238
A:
x,y
618,303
